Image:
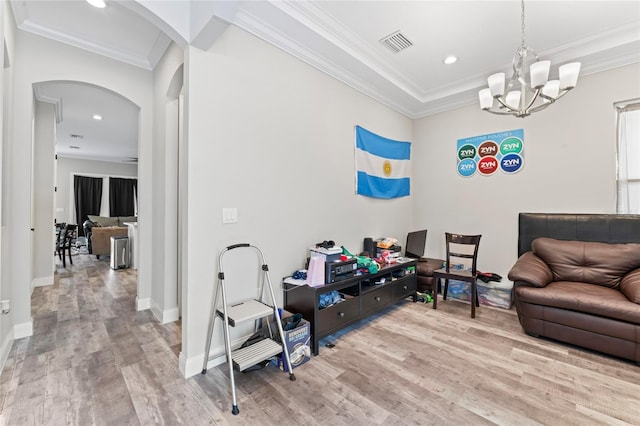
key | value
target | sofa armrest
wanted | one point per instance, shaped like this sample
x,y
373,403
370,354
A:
x,y
630,286
531,269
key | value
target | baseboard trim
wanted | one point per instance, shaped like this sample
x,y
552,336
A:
x,y
24,329
166,316
42,281
171,315
143,304
5,349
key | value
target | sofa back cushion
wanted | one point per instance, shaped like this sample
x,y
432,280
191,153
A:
x,y
588,262
104,221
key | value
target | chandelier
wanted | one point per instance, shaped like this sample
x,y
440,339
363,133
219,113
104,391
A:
x,y
522,96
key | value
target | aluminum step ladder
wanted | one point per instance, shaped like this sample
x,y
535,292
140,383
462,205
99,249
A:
x,y
257,310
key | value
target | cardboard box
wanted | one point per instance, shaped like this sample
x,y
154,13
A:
x,y
298,343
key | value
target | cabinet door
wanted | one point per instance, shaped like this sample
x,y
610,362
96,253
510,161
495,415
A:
x,y
336,316
404,287
376,299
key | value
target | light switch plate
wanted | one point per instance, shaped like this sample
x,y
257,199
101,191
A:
x,y
229,215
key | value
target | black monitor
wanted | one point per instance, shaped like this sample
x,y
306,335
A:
x,y
415,244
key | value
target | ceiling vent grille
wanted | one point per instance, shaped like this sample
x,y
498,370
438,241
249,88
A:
x,y
75,136
396,42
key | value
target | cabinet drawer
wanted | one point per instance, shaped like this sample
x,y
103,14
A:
x,y
334,316
376,299
404,287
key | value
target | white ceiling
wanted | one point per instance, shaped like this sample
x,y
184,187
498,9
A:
x,y
342,39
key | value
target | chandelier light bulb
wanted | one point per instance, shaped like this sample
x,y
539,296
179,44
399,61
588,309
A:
x,y
569,75
496,84
539,73
486,100
551,89
513,99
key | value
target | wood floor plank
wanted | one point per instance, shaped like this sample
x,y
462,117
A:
x,y
94,360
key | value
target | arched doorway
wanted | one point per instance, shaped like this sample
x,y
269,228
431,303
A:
x,y
80,129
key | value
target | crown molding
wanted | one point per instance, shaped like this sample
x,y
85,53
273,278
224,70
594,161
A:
x,y
305,21
81,43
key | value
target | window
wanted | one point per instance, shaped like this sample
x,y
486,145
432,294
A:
x,y
628,152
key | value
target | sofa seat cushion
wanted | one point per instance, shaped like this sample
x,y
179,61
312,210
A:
x,y
582,297
587,262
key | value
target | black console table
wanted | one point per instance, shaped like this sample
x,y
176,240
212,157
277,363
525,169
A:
x,y
361,296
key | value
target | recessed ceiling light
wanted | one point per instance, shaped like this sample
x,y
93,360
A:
x,y
450,60
97,117
97,3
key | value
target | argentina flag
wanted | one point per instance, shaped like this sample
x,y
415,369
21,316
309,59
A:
x,y
383,168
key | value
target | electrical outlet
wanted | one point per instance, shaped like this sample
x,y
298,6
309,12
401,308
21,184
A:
x,y
5,307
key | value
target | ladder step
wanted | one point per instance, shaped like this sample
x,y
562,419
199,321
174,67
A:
x,y
246,311
249,356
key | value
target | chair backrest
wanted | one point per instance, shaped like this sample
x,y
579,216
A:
x,y
415,244
61,229
455,249
69,233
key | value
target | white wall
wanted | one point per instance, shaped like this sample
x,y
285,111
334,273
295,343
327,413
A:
x,y
569,166
164,293
43,183
6,117
38,60
274,138
67,167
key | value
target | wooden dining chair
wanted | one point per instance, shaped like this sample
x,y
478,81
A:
x,y
460,248
65,241
60,227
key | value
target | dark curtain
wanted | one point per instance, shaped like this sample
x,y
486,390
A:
x,y
88,194
122,196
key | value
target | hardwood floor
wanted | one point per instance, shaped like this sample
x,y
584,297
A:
x,y
93,360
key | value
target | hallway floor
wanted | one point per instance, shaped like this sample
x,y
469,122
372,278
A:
x,y
93,360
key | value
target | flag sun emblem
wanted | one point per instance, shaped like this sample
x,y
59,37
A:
x,y
386,168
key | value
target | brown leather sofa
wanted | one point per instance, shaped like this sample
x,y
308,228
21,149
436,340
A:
x,y
580,281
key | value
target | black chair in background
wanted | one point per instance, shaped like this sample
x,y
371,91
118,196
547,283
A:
x,y
456,252
60,227
65,242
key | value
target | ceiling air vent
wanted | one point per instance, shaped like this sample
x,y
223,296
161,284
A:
x,y
396,42
74,136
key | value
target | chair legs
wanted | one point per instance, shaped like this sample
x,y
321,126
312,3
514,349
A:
x,y
474,300
63,252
